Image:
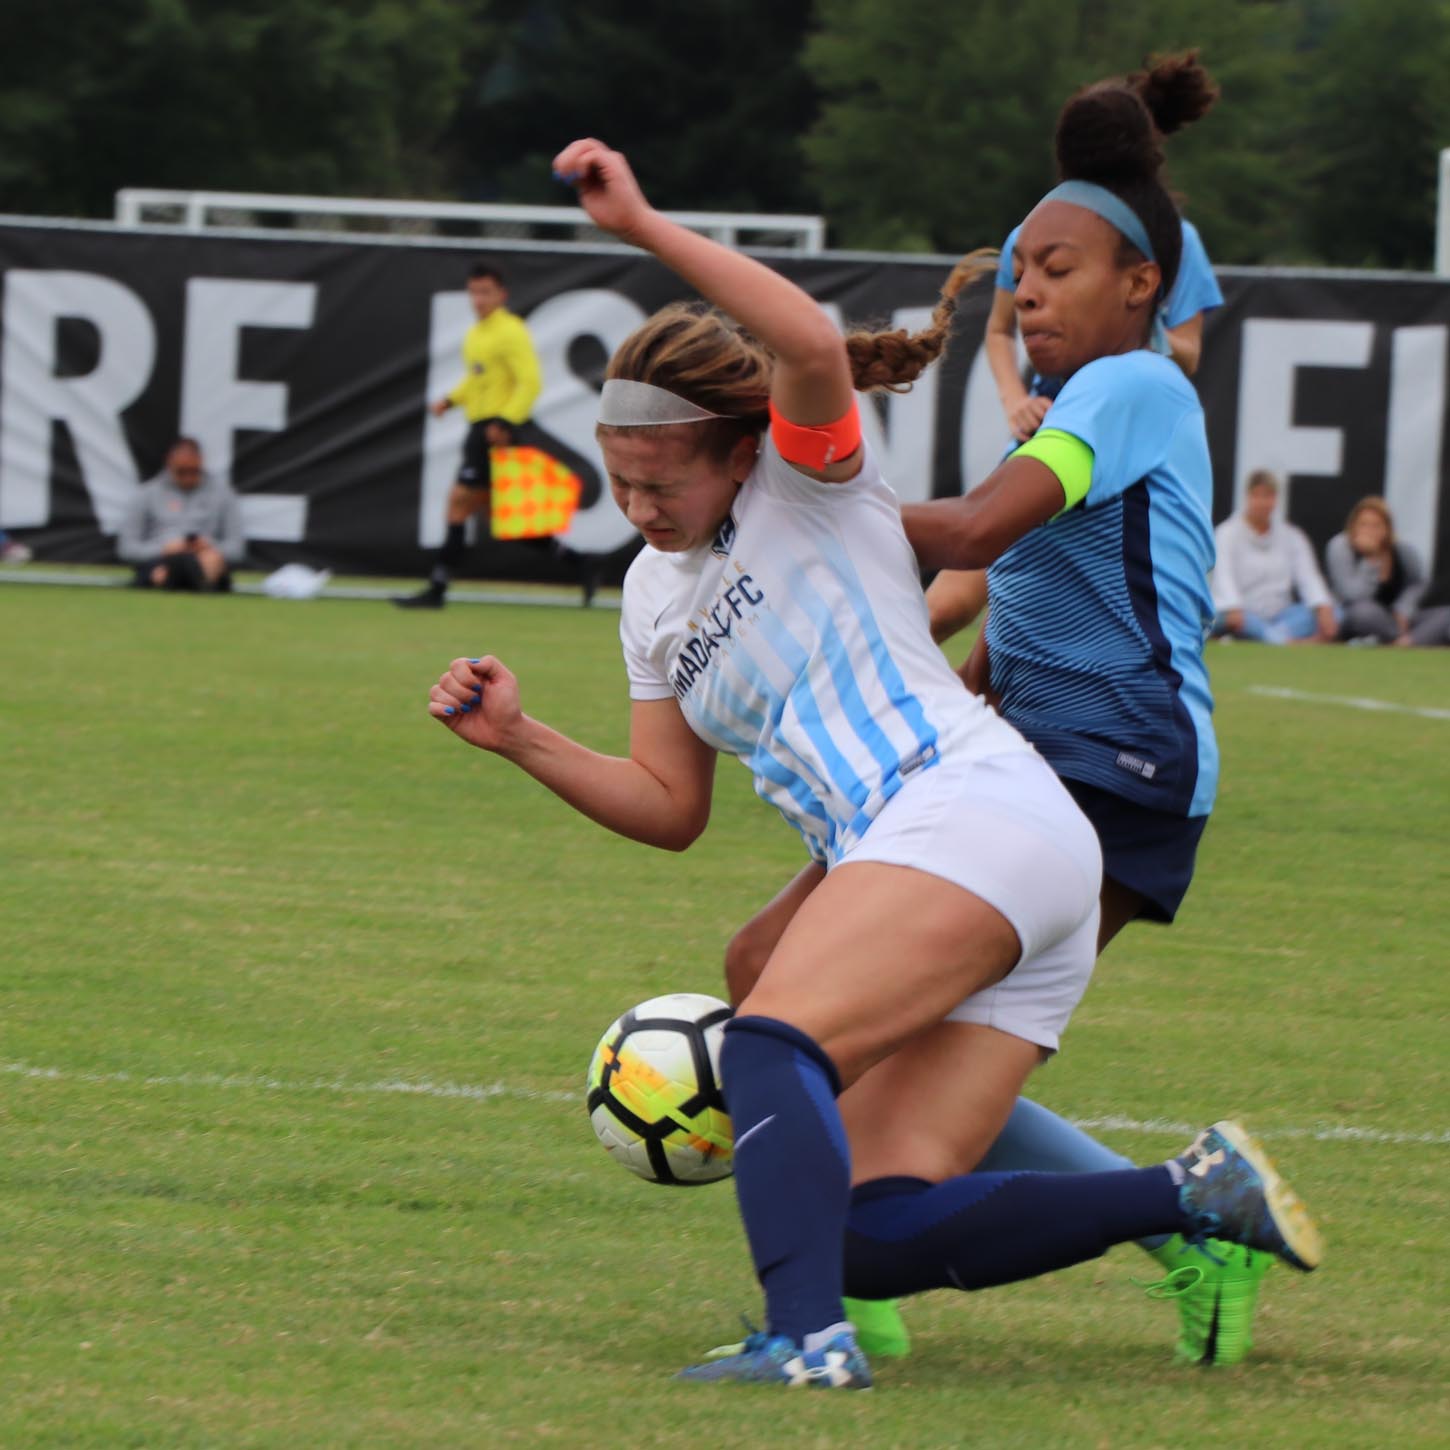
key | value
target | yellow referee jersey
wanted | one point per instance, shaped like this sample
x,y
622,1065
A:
x,y
501,370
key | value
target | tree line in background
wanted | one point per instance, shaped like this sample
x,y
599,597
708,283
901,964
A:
x,y
920,127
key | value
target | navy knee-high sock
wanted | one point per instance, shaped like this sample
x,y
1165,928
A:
x,y
904,1235
792,1169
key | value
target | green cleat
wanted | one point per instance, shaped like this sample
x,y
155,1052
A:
x,y
1216,1285
880,1330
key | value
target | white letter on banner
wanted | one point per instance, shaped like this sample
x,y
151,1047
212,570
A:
x,y
32,397
1416,432
1271,353
904,449
451,316
216,402
903,446
986,434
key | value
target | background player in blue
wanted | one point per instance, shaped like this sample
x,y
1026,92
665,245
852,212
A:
x,y
1095,635
1194,292
775,615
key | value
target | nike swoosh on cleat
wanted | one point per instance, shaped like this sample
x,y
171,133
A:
x,y
749,1133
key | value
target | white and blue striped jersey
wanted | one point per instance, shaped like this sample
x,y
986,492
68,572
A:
x,y
1098,617
798,642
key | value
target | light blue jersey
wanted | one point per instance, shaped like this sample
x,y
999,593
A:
x,y
1095,634
1194,290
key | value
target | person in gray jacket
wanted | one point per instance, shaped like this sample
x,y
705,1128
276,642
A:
x,y
183,529
1376,580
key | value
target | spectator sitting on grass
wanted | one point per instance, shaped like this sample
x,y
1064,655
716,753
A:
x,y
183,529
1266,584
1377,581
1431,622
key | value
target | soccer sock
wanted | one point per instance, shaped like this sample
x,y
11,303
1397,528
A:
x,y
904,1235
1036,1140
792,1169
449,556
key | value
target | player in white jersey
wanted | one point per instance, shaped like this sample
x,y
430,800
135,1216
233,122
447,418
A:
x,y
776,615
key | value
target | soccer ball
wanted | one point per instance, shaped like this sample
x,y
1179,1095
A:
x,y
654,1090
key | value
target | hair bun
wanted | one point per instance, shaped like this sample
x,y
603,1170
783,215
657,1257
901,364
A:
x,y
1176,90
1106,134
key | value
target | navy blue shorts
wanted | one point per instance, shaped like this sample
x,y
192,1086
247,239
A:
x,y
1150,852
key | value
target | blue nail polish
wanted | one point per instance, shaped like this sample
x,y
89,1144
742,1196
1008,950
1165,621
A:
x,y
473,662
450,711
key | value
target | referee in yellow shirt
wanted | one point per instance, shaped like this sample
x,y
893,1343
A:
x,y
500,385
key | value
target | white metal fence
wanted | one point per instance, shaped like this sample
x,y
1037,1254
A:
x,y
198,211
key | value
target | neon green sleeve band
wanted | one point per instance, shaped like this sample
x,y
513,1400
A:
x,y
1067,456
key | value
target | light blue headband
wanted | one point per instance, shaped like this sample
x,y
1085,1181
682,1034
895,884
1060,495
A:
x,y
1113,209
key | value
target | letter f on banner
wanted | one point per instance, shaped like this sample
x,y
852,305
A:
x,y
34,397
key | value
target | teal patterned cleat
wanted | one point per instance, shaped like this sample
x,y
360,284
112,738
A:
x,y
774,1359
1231,1190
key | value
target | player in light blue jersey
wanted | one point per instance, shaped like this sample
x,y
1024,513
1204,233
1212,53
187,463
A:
x,y
775,614
1100,532
1094,642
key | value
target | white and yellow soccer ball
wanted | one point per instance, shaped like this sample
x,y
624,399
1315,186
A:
x,y
654,1094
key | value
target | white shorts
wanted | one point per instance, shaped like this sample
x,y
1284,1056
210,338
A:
x,y
1006,829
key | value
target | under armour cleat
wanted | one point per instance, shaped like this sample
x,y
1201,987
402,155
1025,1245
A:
x,y
1231,1190
775,1359
880,1331
1216,1288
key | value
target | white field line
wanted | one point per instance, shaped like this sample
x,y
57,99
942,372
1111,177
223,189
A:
x,y
487,1092
1353,702
475,1092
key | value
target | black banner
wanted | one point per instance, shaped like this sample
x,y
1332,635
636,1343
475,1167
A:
x,y
304,367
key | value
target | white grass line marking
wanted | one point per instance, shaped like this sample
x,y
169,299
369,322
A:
x,y
1353,702
475,1092
1325,1133
487,1092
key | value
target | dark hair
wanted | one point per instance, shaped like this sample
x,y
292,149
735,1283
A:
x,y
184,440
486,271
1112,133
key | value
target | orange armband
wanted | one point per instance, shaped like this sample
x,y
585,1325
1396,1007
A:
x,y
820,446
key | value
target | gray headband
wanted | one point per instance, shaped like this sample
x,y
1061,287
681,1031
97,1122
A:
x,y
626,404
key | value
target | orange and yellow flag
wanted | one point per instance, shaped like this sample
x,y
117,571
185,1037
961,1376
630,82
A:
x,y
534,495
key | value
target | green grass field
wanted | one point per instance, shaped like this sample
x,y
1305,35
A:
x,y
298,996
